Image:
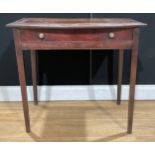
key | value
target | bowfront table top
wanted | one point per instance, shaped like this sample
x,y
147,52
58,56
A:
x,y
97,33
81,33
57,23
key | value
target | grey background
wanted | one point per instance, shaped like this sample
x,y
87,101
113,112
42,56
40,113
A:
x,y
73,68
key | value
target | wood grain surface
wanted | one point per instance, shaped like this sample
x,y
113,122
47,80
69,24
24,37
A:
x,y
77,121
76,35
75,23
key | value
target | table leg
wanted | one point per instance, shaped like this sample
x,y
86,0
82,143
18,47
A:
x,y
133,72
22,79
20,63
120,74
34,76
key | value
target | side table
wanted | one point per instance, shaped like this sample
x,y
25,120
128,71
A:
x,y
59,34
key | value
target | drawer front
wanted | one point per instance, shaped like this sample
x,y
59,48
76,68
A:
x,y
80,39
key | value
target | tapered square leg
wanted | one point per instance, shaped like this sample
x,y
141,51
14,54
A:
x,y
120,74
21,72
34,76
133,72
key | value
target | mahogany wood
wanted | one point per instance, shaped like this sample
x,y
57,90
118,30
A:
x,y
84,39
133,72
34,76
75,35
120,73
21,71
78,23
98,33
62,45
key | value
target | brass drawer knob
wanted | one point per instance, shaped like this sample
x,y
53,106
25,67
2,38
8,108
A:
x,y
41,35
111,35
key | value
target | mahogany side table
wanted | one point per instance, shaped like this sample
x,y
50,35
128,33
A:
x,y
58,34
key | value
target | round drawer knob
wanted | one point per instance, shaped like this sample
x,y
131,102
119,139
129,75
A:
x,y
111,35
41,35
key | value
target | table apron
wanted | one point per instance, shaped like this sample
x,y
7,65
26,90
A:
x,y
119,44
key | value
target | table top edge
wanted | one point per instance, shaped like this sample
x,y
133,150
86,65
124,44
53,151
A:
x,y
84,23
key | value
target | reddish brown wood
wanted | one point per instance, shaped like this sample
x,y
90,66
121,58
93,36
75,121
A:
x,y
98,33
21,71
134,58
34,76
76,35
120,73
77,45
80,39
72,23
